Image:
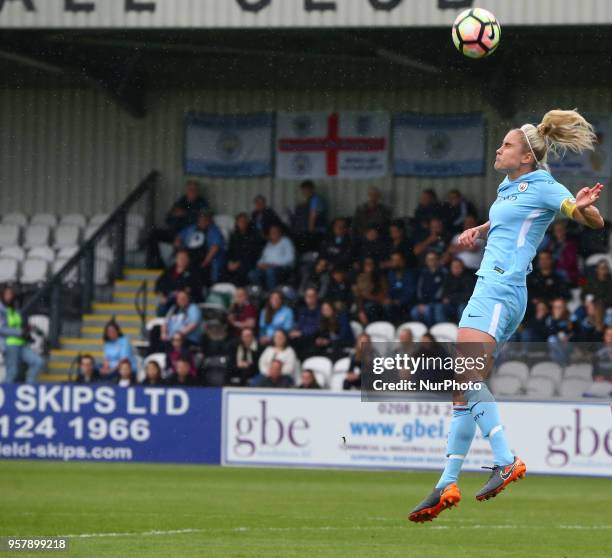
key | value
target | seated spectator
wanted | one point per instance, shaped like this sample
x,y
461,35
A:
x,y
245,359
318,278
564,253
560,329
87,373
427,209
183,213
117,347
276,261
274,316
593,241
243,252
307,325
455,210
352,379
309,219
399,243
281,351
309,380
536,329
434,239
371,214
14,333
337,249
185,318
206,246
153,375
600,284
275,378
430,285
471,257
371,246
339,291
602,362
125,376
242,314
183,376
370,292
588,321
405,344
545,283
263,217
401,289
456,292
176,351
177,277
335,333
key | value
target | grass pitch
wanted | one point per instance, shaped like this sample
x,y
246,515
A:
x,y
129,510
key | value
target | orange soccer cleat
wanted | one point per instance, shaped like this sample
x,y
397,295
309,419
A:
x,y
501,476
439,500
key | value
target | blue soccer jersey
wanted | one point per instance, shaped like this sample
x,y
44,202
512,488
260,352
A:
x,y
519,217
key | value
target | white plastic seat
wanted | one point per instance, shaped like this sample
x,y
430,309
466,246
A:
x,y
418,329
321,366
9,234
13,252
89,232
383,330
594,259
581,371
67,251
98,219
506,385
357,328
34,271
380,344
160,358
547,369
225,224
599,389
9,268
445,331
76,219
225,288
66,235
41,322
36,235
341,366
573,388
73,274
15,218
101,272
514,368
132,238
539,387
337,382
47,219
41,253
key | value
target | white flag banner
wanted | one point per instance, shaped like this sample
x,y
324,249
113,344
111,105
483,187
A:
x,y
332,145
438,145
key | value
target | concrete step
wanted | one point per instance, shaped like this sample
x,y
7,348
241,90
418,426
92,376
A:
x,y
123,320
116,308
68,355
83,345
59,377
141,274
97,331
126,297
132,285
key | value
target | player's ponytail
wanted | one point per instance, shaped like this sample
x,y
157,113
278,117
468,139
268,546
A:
x,y
559,131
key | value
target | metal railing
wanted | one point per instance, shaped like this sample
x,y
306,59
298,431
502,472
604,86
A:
x,y
115,225
140,302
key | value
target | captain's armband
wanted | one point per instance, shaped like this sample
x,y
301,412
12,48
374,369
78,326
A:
x,y
567,207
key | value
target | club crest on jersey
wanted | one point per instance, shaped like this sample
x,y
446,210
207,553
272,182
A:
x,y
523,186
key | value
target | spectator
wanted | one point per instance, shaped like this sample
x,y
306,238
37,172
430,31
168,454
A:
x,y
244,249
371,214
335,333
428,208
125,376
399,243
178,350
87,373
117,347
337,249
242,313
602,362
183,213
589,323
536,329
276,261
600,284
263,217
405,344
434,239
370,291
178,277
14,340
309,219
281,351
307,325
429,290
339,292
184,318
564,253
274,316
371,246
471,257
153,375
275,377
318,278
353,375
401,289
206,246
245,358
560,330
545,283
309,380
183,376
457,290
455,210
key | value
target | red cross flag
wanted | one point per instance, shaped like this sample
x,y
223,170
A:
x,y
334,145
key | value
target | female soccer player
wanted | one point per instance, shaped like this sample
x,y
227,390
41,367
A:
x,y
527,202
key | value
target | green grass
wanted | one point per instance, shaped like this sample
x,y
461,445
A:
x,y
289,513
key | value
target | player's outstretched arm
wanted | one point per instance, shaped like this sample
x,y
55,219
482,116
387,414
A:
x,y
583,210
469,237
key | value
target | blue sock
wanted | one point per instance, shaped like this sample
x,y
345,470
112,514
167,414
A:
x,y
460,437
483,408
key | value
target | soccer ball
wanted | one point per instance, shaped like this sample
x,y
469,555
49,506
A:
x,y
476,33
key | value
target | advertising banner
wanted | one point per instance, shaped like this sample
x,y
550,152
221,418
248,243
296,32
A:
x,y
108,423
338,430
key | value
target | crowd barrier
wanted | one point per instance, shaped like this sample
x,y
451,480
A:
x,y
289,428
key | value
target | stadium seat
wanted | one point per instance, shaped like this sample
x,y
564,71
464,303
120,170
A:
x,y
67,251
36,235
104,253
41,322
357,328
71,277
154,322
445,332
34,271
321,366
506,385
341,366
9,268
66,235
89,232
418,329
336,383
9,234
42,253
575,301
18,219
382,330
132,238
13,252
514,368
228,289
160,358
547,369
225,224
539,387
101,272
76,219
97,220
2,372
573,388
599,389
594,259
581,371
47,219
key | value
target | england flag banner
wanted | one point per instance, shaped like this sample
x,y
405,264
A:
x,y
332,145
439,145
238,145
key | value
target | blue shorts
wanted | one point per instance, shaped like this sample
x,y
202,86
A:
x,y
495,308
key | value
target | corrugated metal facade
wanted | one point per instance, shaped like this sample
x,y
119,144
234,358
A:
x,y
74,150
294,13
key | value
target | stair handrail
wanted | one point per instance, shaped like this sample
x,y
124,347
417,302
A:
x,y
142,310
